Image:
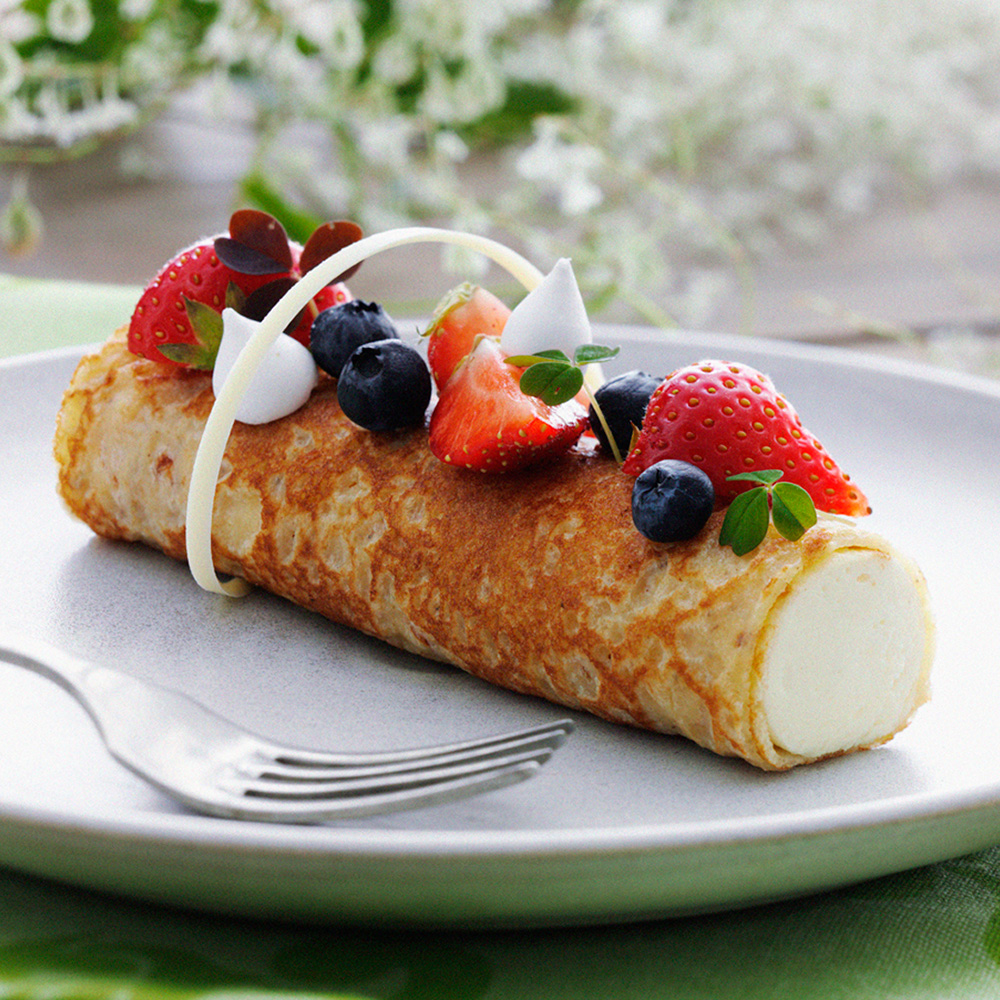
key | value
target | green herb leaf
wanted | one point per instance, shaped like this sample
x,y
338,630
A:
x,y
792,510
552,382
765,476
746,520
787,504
588,354
555,379
527,360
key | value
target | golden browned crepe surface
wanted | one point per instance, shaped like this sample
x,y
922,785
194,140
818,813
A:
x,y
537,581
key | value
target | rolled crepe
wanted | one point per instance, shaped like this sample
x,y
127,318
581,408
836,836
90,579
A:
x,y
537,581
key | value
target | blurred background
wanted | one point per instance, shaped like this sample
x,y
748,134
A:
x,y
805,168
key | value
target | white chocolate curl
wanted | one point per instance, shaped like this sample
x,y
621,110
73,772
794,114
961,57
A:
x,y
212,447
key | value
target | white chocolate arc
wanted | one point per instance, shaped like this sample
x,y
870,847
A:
x,y
212,447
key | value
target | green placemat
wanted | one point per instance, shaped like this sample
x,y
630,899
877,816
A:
x,y
34,315
930,933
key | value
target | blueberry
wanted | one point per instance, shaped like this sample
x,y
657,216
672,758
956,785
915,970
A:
x,y
384,386
623,402
338,331
671,501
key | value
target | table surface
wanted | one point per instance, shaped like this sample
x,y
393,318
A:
x,y
929,933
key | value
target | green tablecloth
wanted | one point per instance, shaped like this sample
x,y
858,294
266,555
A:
x,y
931,933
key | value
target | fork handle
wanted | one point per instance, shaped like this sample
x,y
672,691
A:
x,y
69,672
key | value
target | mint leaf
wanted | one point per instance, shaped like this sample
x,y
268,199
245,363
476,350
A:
x,y
746,520
792,510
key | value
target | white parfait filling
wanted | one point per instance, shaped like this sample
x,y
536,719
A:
x,y
844,655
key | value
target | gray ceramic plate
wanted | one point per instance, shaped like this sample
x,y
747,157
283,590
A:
x,y
619,825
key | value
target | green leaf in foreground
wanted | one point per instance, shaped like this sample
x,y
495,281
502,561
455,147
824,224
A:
x,y
745,523
552,382
588,354
764,476
792,510
788,505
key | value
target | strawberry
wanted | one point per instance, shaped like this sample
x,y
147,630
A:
x,y
464,314
483,421
250,268
161,316
729,419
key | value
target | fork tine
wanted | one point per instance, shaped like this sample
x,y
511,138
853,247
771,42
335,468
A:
x,y
379,801
540,738
299,757
354,783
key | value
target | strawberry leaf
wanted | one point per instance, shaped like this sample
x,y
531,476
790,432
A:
x,y
792,510
192,355
235,297
746,520
206,324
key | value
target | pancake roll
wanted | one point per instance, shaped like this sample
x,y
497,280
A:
x,y
536,580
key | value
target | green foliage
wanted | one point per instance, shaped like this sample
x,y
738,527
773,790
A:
x,y
555,378
746,522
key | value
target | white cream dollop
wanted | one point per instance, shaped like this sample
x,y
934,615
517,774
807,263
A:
x,y
550,317
281,385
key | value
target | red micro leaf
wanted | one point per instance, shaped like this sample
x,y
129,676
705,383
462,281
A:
x,y
325,242
261,302
262,232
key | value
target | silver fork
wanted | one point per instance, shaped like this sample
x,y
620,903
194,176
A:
x,y
215,767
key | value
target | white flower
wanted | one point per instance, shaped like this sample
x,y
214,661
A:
x,y
11,69
18,25
344,46
135,10
566,167
69,20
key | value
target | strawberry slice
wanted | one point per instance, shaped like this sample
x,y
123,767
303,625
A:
x,y
728,418
464,314
483,421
